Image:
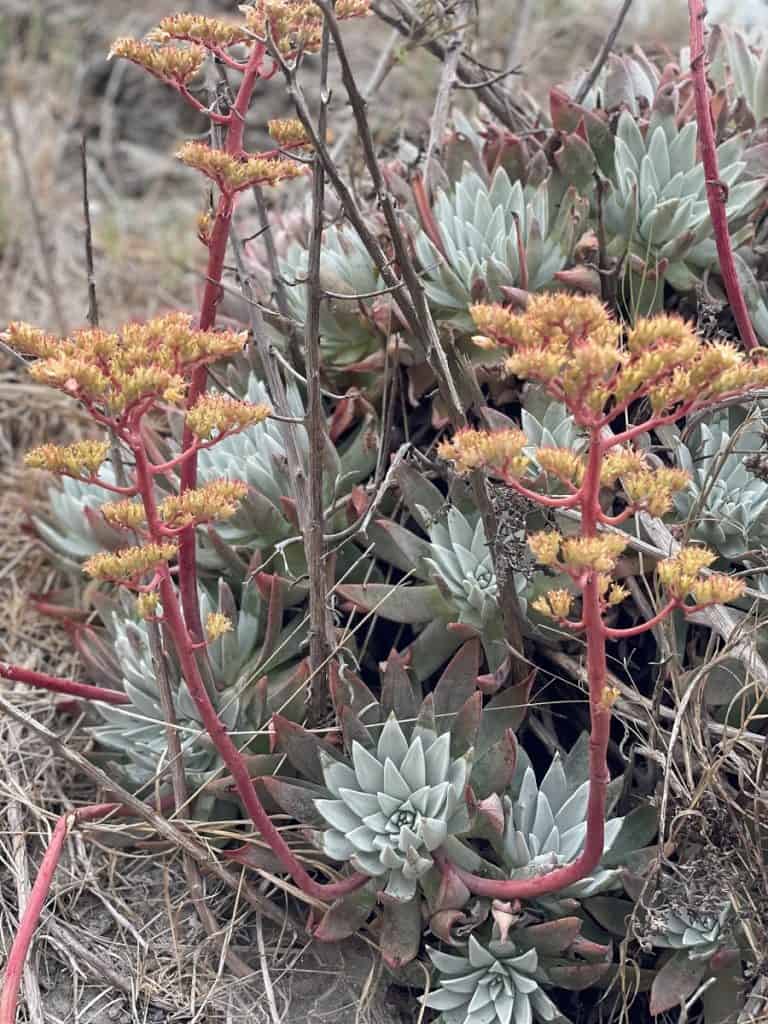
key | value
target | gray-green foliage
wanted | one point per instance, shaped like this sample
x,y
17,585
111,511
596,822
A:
x,y
500,983
699,933
657,210
724,503
495,235
73,527
395,805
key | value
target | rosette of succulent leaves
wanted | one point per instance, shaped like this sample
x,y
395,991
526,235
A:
x,y
448,584
724,504
257,668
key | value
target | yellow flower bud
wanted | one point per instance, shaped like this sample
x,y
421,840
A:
x,y
219,499
498,450
597,554
216,625
147,605
562,463
545,545
288,131
128,563
124,513
172,63
232,174
212,415
81,459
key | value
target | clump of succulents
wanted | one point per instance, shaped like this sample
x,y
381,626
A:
x,y
724,504
73,527
656,214
254,673
494,235
699,934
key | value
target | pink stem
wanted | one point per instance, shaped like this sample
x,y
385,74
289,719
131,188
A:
x,y
232,757
217,249
717,191
14,968
57,684
600,722
625,634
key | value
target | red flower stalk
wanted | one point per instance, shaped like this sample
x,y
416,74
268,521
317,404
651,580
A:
x,y
717,190
572,347
57,684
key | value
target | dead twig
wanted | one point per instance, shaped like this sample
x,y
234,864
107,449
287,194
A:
x,y
597,65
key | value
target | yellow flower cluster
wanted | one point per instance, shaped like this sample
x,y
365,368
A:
x,y
232,174
287,131
598,554
204,228
571,344
216,625
610,592
138,361
555,604
562,463
652,489
80,459
172,63
128,563
30,340
147,605
681,575
500,451
219,499
199,28
296,24
618,462
545,545
127,514
212,415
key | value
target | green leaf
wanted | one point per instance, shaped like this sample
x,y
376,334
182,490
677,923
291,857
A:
x,y
302,747
397,546
417,490
457,683
549,938
400,931
398,694
399,603
504,711
493,771
466,724
610,913
348,690
348,914
432,648
676,981
296,799
637,831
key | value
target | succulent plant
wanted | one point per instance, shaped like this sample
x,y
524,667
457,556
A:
x,y
72,527
741,68
502,981
700,934
254,675
724,503
258,457
545,824
495,235
395,805
349,336
657,214
453,570
495,984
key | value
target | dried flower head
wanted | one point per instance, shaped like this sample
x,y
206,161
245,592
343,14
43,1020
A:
x,y
596,554
288,131
499,451
555,604
213,33
128,563
30,340
296,25
232,174
562,463
169,63
216,625
128,514
219,499
545,545
213,415
147,605
82,459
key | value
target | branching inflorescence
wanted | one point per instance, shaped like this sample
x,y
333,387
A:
x,y
662,371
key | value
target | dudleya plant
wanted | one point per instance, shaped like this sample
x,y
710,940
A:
x,y
724,504
395,805
697,933
495,235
